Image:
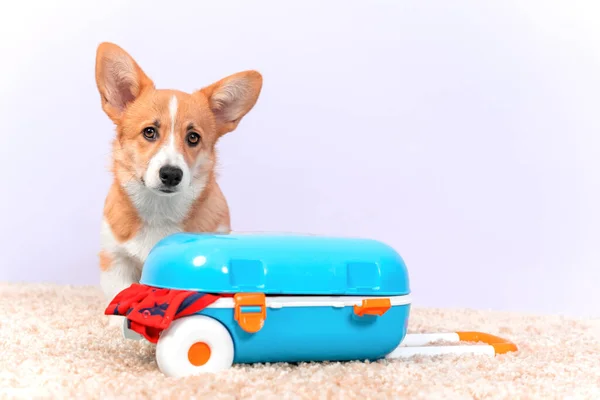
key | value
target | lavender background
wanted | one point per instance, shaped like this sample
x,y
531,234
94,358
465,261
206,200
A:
x,y
465,134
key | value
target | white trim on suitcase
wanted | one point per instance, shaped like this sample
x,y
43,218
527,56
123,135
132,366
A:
x,y
275,302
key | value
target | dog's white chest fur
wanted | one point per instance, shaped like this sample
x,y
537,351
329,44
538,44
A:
x,y
138,247
161,216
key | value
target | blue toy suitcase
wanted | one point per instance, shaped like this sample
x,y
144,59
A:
x,y
294,298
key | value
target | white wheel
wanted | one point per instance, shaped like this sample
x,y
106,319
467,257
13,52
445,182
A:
x,y
194,345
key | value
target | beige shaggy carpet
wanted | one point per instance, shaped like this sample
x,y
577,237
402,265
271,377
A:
x,y
54,344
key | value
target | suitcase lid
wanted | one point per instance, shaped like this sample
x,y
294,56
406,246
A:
x,y
275,264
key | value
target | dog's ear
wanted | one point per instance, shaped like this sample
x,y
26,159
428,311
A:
x,y
232,98
119,79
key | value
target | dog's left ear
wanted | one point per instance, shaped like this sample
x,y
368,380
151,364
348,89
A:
x,y
232,98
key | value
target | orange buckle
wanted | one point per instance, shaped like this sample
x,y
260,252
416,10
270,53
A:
x,y
373,307
250,320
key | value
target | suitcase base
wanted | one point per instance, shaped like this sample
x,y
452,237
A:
x,y
318,333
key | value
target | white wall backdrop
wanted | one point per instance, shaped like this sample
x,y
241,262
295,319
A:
x,y
465,134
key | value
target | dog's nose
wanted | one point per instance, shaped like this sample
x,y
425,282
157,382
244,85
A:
x,y
170,176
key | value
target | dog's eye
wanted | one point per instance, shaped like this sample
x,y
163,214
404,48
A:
x,y
150,133
193,139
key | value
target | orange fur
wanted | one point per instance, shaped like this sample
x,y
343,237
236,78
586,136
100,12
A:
x,y
105,261
120,213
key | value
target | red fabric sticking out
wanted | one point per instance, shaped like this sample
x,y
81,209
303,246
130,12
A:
x,y
151,310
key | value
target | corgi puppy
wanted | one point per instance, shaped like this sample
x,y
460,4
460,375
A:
x,y
163,160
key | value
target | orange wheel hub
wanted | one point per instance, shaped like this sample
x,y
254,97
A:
x,y
199,354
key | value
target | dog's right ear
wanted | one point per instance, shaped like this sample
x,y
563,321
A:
x,y
119,79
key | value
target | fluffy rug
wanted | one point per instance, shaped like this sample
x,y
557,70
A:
x,y
54,344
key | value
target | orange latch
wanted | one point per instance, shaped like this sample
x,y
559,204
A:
x,y
247,317
373,307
